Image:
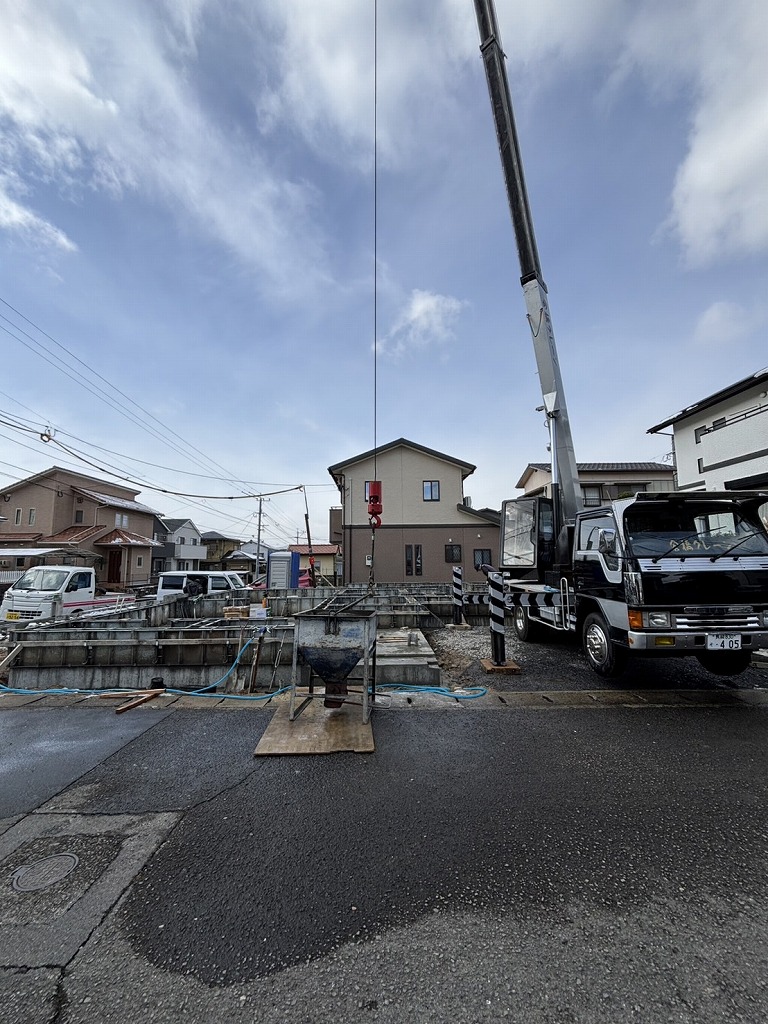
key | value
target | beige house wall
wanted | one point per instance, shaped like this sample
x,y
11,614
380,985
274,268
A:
x,y
390,544
402,472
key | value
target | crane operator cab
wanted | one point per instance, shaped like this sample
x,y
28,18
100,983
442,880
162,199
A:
x,y
529,548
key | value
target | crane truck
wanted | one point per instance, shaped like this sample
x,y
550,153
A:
x,y
664,574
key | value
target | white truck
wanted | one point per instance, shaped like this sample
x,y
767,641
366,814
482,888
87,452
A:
x,y
672,574
56,592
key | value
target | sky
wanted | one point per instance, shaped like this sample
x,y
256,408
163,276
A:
x,y
244,240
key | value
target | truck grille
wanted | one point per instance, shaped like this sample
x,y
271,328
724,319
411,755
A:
x,y
718,618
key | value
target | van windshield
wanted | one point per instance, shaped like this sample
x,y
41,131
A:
x,y
42,578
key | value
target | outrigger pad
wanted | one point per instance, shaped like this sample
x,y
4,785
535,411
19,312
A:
x,y
316,731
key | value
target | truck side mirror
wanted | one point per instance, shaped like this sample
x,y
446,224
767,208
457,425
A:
x,y
606,542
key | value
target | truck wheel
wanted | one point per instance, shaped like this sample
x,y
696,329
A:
x,y
604,656
729,663
525,629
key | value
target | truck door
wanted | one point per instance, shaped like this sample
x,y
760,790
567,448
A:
x,y
527,537
597,568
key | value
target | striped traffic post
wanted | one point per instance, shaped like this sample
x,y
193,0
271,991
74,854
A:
x,y
458,596
496,614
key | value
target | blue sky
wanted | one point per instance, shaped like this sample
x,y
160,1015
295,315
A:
x,y
187,214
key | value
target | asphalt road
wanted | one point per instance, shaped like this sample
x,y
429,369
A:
x,y
564,865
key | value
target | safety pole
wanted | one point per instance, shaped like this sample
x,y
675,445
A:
x,y
496,611
458,596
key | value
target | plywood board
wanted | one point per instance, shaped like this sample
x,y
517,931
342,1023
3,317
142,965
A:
x,y
317,730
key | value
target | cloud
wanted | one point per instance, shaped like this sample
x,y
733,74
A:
x,y
24,223
90,101
723,324
427,320
713,57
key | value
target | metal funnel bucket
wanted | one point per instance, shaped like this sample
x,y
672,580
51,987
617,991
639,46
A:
x,y
332,644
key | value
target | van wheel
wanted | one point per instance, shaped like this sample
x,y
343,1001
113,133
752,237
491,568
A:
x,y
525,628
604,656
729,663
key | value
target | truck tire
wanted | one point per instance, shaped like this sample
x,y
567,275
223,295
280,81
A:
x,y
524,627
729,663
603,655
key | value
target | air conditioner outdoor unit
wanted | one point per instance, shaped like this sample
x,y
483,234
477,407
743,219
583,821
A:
x,y
4,563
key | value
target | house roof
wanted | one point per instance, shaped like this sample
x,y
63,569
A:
x,y
77,534
316,549
600,467
488,515
124,538
67,472
172,525
745,384
113,501
19,538
401,442
213,535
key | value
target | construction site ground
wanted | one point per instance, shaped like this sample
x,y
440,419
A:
x,y
562,849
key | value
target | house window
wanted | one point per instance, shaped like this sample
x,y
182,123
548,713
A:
x,y
17,517
413,560
482,556
698,432
592,495
700,465
78,515
139,561
453,553
193,540
431,490
32,516
19,563
121,520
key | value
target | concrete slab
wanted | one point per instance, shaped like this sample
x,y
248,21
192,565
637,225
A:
x,y
317,730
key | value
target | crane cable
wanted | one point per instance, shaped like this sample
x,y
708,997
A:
x,y
371,573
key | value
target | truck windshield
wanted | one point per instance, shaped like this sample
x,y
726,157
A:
x,y
41,578
690,529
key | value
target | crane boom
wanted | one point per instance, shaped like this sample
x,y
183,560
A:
x,y
564,473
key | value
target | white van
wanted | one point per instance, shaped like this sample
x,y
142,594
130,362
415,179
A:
x,y
173,583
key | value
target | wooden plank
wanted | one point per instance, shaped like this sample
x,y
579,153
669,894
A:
x,y
317,730
141,699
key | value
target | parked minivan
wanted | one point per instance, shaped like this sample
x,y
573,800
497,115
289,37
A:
x,y
173,583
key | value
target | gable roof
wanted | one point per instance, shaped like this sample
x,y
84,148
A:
x,y
401,442
172,525
761,377
44,474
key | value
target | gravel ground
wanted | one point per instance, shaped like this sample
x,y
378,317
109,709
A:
x,y
560,665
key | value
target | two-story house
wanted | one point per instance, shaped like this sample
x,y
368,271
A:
x,y
97,520
602,481
721,441
427,525
182,546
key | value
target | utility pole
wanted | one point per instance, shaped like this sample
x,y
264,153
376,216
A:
x,y
258,540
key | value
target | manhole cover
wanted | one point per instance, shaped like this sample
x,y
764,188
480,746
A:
x,y
42,873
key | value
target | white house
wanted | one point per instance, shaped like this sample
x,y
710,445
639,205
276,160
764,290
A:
x,y
721,442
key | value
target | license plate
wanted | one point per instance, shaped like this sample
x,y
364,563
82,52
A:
x,y
724,641
11,615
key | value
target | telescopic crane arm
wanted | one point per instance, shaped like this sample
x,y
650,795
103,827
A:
x,y
564,473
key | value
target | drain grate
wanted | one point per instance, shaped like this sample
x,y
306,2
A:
x,y
41,874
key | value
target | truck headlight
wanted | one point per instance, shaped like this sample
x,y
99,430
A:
x,y
659,620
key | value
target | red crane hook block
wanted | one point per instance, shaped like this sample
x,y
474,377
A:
x,y
374,503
